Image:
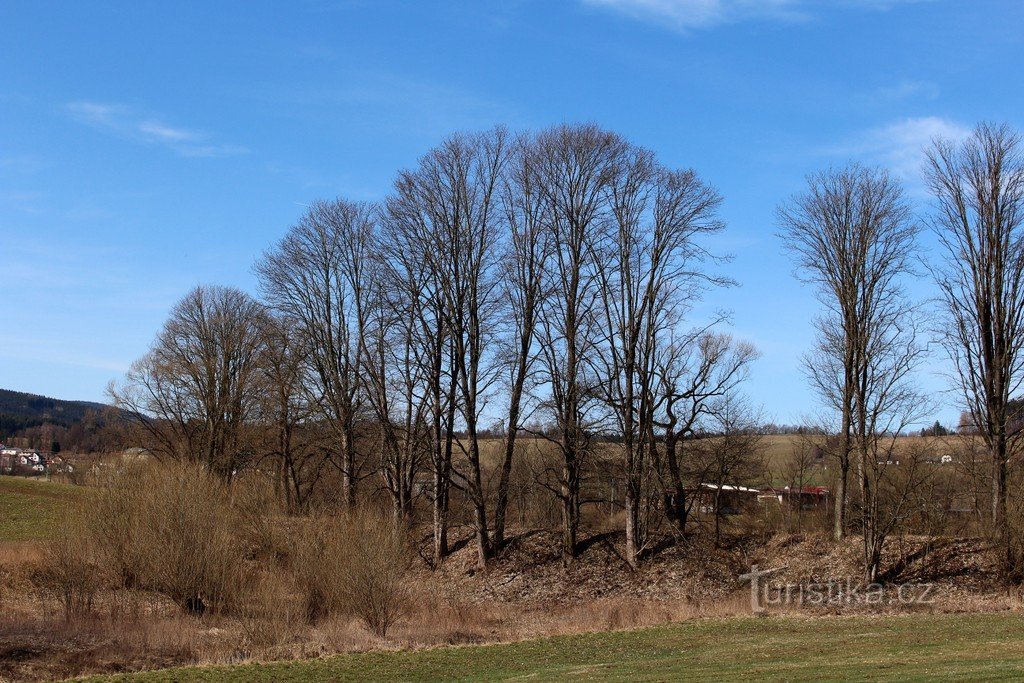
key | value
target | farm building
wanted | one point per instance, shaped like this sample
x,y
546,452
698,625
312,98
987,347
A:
x,y
804,498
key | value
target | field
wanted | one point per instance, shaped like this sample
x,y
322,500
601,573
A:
x,y
906,647
681,615
30,508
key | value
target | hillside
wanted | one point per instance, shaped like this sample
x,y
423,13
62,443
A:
x,y
19,411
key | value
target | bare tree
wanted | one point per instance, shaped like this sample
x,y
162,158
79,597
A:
x,y
407,273
650,270
978,186
852,236
694,372
193,394
574,166
729,452
529,246
395,377
887,403
297,457
797,471
450,205
316,275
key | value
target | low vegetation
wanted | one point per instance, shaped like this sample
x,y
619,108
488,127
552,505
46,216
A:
x,y
909,648
169,565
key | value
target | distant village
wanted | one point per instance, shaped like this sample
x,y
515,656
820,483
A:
x,y
31,462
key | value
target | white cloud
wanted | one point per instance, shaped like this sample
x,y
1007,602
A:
x,y
900,146
685,15
128,123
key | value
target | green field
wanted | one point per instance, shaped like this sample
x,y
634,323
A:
x,y
908,647
30,508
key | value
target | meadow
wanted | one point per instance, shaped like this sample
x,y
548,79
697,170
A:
x,y
30,508
924,647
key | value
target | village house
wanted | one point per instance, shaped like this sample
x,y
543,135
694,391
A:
x,y
21,461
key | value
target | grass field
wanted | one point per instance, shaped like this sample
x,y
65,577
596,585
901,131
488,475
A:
x,y
29,508
921,647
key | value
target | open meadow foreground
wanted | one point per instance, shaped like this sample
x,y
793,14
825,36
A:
x,y
977,647
513,340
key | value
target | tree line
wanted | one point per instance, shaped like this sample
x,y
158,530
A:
x,y
541,286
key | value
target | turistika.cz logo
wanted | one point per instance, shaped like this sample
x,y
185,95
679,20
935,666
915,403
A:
x,y
845,590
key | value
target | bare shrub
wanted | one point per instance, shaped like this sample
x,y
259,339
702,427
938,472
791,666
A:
x,y
356,564
272,616
260,522
72,566
169,528
375,571
318,550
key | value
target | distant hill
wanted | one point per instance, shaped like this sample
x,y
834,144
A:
x,y
20,411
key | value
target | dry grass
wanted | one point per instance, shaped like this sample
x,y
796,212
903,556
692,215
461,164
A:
x,y
102,596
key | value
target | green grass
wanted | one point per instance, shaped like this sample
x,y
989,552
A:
x,y
908,647
29,509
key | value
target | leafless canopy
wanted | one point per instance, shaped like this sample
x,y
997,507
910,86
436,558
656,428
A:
x,y
851,235
196,391
978,187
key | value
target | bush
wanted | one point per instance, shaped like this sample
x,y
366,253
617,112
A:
x,y
376,571
169,528
357,565
72,566
179,530
319,550
271,617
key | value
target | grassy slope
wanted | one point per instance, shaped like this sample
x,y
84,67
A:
x,y
908,647
29,509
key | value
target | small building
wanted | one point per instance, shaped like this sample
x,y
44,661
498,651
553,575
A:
x,y
731,499
801,498
21,461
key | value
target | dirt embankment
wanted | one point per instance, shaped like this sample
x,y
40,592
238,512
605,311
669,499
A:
x,y
961,572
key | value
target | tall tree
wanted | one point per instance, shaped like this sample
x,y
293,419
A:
x,y
574,167
193,395
293,445
851,235
978,187
455,191
528,248
395,377
317,276
651,267
451,206
408,274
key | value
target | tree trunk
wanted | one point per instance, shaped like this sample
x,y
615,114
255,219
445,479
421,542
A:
x,y
570,498
505,475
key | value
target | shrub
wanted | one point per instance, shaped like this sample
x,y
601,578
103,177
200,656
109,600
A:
x,y
319,550
169,528
356,564
72,566
375,572
271,617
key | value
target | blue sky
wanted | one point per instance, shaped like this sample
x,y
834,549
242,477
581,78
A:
x,y
146,147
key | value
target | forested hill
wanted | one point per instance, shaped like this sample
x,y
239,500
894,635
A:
x,y
20,410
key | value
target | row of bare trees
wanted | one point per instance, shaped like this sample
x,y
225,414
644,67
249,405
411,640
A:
x,y
507,279
513,280
854,236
